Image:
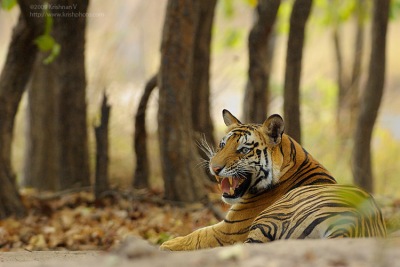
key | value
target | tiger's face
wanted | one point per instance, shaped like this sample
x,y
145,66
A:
x,y
246,161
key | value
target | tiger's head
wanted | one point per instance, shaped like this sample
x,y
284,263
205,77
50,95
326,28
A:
x,y
248,159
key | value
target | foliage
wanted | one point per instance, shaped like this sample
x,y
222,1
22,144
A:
x,y
8,4
394,9
385,159
282,24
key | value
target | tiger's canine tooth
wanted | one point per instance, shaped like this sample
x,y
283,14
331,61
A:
x,y
230,180
231,191
219,186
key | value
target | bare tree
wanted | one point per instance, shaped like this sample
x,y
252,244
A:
x,y
260,47
182,179
13,79
101,134
141,176
294,55
371,98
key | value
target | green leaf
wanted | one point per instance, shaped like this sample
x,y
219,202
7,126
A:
x,y
54,53
45,42
8,4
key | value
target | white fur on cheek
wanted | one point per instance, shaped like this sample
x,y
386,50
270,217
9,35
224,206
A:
x,y
231,201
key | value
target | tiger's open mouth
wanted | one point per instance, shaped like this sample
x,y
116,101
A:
x,y
233,187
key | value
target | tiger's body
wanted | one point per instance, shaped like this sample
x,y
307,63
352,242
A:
x,y
278,191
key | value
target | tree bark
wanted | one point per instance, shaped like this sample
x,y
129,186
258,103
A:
x,y
371,98
57,154
70,78
101,134
294,54
200,80
182,180
260,47
41,167
141,176
13,79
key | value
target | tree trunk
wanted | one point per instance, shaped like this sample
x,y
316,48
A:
x,y
70,89
260,47
57,154
294,54
41,158
182,180
101,134
200,80
371,98
347,103
141,176
13,79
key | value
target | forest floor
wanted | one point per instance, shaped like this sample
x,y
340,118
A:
x,y
74,228
288,253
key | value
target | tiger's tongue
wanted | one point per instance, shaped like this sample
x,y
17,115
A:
x,y
225,185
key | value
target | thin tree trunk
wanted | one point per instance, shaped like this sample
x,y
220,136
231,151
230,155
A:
x,y
101,134
371,98
13,79
141,176
294,54
183,181
200,81
347,103
353,94
340,72
260,47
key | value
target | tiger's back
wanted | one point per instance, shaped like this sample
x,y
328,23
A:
x,y
319,211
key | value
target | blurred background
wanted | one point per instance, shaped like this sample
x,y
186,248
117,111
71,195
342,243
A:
x,y
123,52
123,40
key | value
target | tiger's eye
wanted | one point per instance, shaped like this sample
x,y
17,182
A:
x,y
221,144
244,150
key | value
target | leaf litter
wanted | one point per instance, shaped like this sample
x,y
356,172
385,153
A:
x,y
78,222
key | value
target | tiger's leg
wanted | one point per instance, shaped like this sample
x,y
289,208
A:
x,y
220,234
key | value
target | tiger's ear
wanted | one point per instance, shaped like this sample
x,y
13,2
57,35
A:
x,y
274,127
229,119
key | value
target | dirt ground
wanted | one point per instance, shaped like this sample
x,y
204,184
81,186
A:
x,y
135,252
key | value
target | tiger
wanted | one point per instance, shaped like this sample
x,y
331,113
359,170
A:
x,y
277,190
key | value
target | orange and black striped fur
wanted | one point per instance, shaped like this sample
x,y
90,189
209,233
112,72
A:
x,y
278,191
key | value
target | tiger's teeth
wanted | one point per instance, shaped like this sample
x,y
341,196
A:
x,y
220,187
230,180
231,191
217,178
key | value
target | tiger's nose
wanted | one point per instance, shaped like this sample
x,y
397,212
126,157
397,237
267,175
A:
x,y
217,169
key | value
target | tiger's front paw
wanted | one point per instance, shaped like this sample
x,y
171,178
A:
x,y
174,244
